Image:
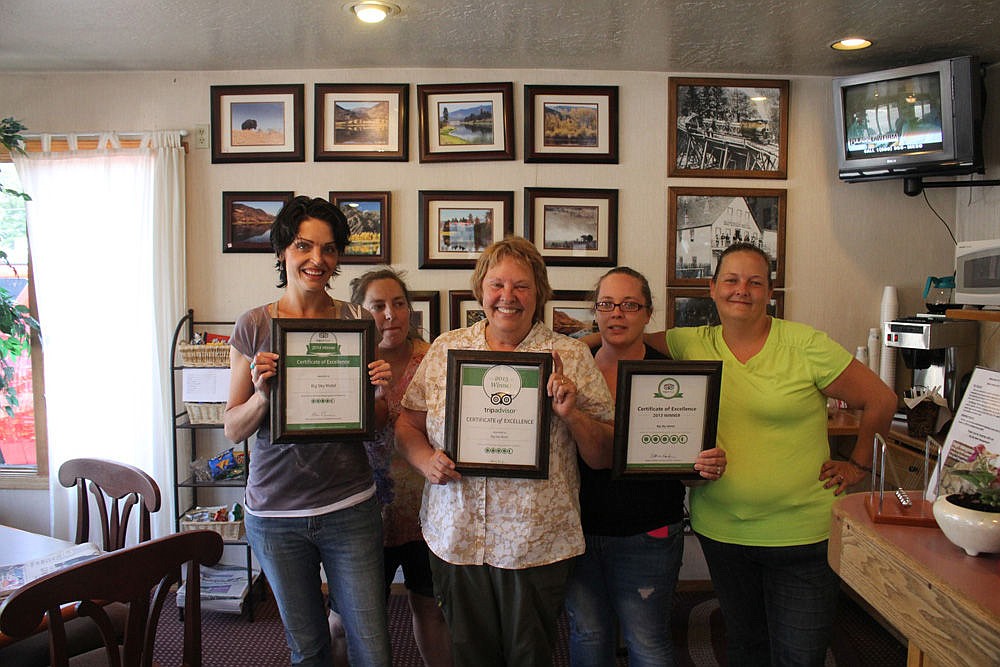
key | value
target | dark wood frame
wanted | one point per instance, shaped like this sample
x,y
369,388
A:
x,y
746,128
280,327
297,152
534,124
534,230
384,199
456,298
582,297
428,94
426,226
778,269
433,300
229,244
456,358
712,370
323,152
776,309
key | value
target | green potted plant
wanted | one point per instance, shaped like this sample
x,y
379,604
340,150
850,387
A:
x,y
16,322
969,511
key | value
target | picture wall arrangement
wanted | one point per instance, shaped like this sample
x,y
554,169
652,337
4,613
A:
x,y
716,128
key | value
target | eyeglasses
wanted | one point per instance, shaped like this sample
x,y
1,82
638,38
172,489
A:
x,y
625,306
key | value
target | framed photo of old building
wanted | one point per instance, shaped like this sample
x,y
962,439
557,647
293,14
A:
x,y
571,124
368,215
362,122
573,226
727,128
456,226
693,307
466,121
258,123
702,222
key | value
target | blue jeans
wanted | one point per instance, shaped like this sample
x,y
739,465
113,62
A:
x,y
348,544
778,603
632,578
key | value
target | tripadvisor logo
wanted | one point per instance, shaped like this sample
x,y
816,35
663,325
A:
x,y
323,344
668,388
502,384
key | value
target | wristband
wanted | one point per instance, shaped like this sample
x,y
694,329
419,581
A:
x,y
858,465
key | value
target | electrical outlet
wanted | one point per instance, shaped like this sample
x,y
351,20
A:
x,y
202,136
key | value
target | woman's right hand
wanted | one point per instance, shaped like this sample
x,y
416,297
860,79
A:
x,y
263,367
439,469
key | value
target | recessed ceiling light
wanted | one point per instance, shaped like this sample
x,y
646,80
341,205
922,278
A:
x,y
851,44
372,11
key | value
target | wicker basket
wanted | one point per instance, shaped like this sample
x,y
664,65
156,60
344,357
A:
x,y
230,530
205,413
212,355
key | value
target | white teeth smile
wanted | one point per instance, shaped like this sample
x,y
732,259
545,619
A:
x,y
506,310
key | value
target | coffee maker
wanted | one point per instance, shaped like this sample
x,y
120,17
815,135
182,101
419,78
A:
x,y
937,352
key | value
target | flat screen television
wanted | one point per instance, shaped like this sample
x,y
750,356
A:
x,y
921,120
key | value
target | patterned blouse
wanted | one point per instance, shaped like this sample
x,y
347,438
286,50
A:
x,y
508,523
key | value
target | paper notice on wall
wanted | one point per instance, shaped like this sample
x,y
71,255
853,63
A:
x,y
977,422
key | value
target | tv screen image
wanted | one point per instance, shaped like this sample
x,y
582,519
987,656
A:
x,y
894,116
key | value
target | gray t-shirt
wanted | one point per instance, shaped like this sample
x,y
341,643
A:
x,y
299,479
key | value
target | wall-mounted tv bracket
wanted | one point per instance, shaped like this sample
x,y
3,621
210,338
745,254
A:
x,y
914,185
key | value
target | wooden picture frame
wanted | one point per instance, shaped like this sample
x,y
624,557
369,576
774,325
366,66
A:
x,y
571,124
464,309
573,226
690,307
727,128
702,222
484,131
362,122
456,226
571,312
247,219
425,313
368,216
258,123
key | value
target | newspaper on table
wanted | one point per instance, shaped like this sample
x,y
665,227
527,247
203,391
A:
x,y
14,576
223,588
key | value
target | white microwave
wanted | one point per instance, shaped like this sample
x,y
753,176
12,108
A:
x,y
977,273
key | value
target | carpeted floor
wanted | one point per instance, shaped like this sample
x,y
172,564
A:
x,y
232,641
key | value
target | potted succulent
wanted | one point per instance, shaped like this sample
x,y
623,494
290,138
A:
x,y
16,322
970,516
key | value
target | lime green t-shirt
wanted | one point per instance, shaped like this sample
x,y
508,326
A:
x,y
772,424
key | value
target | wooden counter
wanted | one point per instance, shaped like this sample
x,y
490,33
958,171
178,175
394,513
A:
x,y
945,603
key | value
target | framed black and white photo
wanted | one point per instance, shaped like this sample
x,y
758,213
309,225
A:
x,y
571,124
247,219
571,312
425,313
258,123
727,128
466,121
368,215
456,226
702,222
362,122
573,226
693,307
463,309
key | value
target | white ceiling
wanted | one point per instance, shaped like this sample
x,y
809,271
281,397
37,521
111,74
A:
x,y
789,37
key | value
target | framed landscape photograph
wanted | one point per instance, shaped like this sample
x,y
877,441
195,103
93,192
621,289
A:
x,y
727,128
462,122
688,307
258,123
571,312
573,226
463,309
357,121
368,216
571,124
247,218
455,226
425,313
702,222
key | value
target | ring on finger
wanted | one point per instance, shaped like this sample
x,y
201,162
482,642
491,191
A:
x,y
253,365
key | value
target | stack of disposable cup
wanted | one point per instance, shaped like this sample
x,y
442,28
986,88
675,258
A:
x,y
887,355
874,345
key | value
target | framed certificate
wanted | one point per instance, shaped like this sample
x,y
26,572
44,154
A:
x,y
667,412
322,391
497,415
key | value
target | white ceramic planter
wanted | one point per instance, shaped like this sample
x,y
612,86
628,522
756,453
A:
x,y
975,531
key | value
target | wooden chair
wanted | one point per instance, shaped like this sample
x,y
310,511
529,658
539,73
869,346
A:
x,y
124,485
140,576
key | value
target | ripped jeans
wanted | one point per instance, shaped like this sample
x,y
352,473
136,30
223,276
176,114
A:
x,y
631,579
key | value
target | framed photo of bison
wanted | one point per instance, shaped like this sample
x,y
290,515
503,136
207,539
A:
x,y
258,123
573,226
362,122
247,218
571,124
368,219
727,128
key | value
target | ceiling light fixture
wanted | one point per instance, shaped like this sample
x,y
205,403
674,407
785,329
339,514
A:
x,y
372,11
851,44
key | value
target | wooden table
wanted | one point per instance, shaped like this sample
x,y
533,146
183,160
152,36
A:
x,y
945,603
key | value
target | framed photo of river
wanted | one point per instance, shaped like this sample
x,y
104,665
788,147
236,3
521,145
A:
x,y
357,121
497,414
462,122
571,124
322,391
667,412
247,219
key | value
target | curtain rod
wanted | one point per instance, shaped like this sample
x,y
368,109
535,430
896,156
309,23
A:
x,y
38,135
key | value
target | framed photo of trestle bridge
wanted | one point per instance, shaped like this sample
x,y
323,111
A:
x,y
702,222
727,128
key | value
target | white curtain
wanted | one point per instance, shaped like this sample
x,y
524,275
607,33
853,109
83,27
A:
x,y
106,232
